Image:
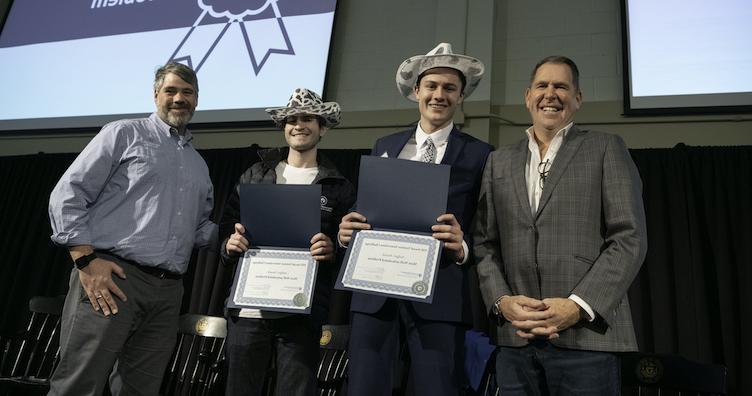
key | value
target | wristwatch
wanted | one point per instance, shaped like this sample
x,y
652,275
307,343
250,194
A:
x,y
83,261
495,308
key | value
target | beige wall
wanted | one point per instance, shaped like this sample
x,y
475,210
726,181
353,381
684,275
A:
x,y
372,37
589,32
638,132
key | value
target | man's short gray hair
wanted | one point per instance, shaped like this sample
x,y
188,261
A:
x,y
180,70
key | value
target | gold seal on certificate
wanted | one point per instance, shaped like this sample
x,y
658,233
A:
x,y
275,280
396,264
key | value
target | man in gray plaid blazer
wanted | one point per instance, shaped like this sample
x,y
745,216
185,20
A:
x,y
559,237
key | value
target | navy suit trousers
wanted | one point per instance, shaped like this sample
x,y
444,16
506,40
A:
x,y
435,348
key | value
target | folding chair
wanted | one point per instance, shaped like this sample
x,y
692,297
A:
x,y
653,374
332,371
198,359
480,364
29,358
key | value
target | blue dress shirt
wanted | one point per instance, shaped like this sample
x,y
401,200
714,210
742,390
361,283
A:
x,y
138,190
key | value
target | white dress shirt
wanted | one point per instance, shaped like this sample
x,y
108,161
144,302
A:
x,y
415,147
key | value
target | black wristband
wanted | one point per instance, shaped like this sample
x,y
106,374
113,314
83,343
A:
x,y
83,261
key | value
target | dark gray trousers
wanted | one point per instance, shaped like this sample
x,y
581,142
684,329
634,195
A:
x,y
139,338
292,341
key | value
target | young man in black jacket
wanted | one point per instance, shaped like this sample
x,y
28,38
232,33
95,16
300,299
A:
x,y
254,334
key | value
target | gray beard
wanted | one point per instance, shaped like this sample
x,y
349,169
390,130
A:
x,y
178,121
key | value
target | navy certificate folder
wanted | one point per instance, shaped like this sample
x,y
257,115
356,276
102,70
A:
x,y
402,195
280,215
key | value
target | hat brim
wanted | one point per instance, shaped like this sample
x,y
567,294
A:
x,y
411,68
329,111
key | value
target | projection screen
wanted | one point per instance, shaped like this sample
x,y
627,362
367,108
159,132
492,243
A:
x,y
76,64
687,56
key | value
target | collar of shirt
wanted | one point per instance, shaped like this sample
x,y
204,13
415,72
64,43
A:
x,y
553,147
169,130
413,149
439,137
532,176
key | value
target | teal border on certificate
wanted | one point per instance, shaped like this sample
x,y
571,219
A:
x,y
407,291
271,304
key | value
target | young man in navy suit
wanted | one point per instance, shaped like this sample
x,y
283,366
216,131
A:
x,y
439,81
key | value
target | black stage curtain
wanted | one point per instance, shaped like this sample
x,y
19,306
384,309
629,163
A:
x,y
689,298
691,295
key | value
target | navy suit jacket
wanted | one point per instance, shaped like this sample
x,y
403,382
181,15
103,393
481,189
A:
x,y
467,157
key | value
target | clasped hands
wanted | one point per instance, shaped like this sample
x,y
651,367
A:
x,y
322,248
535,318
447,230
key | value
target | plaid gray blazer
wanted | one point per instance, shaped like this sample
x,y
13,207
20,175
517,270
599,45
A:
x,y
587,238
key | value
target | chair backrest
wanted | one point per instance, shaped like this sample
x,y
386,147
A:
x,y
487,386
333,359
30,357
198,359
480,364
646,374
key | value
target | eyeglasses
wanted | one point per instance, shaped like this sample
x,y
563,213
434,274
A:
x,y
543,168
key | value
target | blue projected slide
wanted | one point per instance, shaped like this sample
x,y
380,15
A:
x,y
68,64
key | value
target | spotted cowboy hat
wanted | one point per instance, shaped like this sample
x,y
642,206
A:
x,y
305,101
441,56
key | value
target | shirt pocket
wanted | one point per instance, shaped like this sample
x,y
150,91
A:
x,y
143,161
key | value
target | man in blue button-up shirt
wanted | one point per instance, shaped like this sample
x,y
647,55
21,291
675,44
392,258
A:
x,y
130,209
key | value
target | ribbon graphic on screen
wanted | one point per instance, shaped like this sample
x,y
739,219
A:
x,y
263,32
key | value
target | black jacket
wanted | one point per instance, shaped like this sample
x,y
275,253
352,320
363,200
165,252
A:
x,y
337,197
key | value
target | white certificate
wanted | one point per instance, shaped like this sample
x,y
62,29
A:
x,y
396,264
275,280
